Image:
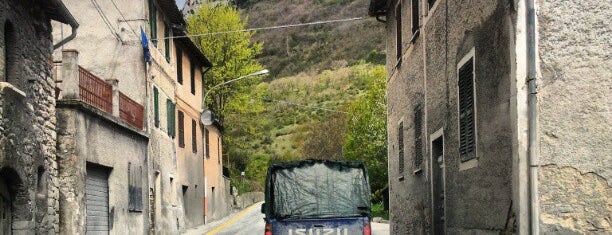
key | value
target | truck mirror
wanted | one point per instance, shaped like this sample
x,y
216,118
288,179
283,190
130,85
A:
x,y
263,208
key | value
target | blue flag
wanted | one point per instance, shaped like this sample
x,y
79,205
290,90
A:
x,y
145,45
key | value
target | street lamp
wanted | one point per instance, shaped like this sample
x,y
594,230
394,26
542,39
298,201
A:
x,y
206,117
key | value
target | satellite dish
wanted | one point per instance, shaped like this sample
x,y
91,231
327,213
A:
x,y
206,118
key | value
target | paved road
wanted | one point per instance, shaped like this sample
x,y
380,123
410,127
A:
x,y
250,222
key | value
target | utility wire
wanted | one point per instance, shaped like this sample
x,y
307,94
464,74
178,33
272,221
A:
x,y
268,28
301,105
122,16
106,21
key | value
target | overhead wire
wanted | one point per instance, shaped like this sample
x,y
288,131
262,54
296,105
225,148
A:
x,y
267,28
122,16
106,21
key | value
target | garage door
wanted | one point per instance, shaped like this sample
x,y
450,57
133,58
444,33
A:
x,y
96,191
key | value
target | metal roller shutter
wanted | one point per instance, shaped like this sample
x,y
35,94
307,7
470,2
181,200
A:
x,y
96,192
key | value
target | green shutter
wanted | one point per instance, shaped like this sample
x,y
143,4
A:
x,y
153,21
156,106
167,42
171,123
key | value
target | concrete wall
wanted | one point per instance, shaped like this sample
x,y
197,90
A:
x,y
88,135
218,204
28,165
574,114
478,193
112,51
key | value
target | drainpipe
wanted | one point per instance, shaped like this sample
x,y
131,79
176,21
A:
x,y
532,116
73,24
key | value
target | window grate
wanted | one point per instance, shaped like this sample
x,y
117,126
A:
x,y
467,140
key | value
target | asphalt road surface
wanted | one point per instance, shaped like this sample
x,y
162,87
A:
x,y
250,222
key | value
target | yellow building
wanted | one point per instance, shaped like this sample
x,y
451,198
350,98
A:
x,y
218,201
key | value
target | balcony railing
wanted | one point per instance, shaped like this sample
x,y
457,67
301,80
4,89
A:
x,y
95,91
130,111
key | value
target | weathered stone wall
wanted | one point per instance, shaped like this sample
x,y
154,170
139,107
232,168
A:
x,y
575,137
27,117
88,135
478,195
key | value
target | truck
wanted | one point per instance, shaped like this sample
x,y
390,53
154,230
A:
x,y
317,197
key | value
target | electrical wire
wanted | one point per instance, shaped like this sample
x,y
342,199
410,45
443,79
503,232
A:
x,y
122,16
268,28
105,19
301,105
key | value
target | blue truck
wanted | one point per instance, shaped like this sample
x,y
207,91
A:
x,y
317,197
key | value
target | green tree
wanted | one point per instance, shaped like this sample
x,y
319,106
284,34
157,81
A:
x,y
366,136
233,55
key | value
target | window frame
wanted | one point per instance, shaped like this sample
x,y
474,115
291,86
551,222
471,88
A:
x,y
167,41
470,162
153,22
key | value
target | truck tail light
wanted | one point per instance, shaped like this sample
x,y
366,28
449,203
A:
x,y
367,229
268,229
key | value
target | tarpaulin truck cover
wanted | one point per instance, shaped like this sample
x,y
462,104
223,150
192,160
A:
x,y
317,189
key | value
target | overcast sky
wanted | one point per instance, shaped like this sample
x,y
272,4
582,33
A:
x,y
180,3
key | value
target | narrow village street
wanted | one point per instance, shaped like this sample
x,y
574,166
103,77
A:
x,y
250,221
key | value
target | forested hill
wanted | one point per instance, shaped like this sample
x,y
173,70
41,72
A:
x,y
316,48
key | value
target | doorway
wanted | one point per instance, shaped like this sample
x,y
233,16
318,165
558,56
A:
x,y
438,188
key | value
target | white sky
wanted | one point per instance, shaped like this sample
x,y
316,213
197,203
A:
x,y
180,3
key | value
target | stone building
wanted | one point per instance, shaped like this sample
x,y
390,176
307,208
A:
x,y
28,168
497,116
218,197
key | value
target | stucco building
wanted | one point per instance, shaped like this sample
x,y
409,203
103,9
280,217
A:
x,y
28,168
218,197
497,116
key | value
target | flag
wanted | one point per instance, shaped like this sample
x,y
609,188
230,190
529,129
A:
x,y
145,45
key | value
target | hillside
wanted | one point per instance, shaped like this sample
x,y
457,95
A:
x,y
317,48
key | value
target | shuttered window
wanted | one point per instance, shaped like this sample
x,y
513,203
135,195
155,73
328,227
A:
x,y
398,31
415,16
170,113
167,42
194,142
134,188
153,21
400,144
181,129
467,132
207,140
418,136
179,66
192,80
156,107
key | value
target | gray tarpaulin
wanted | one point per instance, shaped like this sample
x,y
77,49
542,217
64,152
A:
x,y
317,189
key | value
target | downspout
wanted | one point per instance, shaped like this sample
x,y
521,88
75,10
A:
x,y
73,24
532,116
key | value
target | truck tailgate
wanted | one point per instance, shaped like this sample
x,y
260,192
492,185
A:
x,y
333,226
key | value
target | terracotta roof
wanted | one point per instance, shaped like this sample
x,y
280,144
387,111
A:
x,y
191,48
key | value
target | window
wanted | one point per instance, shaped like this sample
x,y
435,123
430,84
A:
x,y
418,140
167,42
153,21
194,142
400,143
415,17
181,129
207,140
179,66
134,187
156,106
398,31
193,70
170,112
467,132
10,53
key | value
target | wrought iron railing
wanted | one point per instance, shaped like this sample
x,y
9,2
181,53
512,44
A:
x,y
95,91
130,111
